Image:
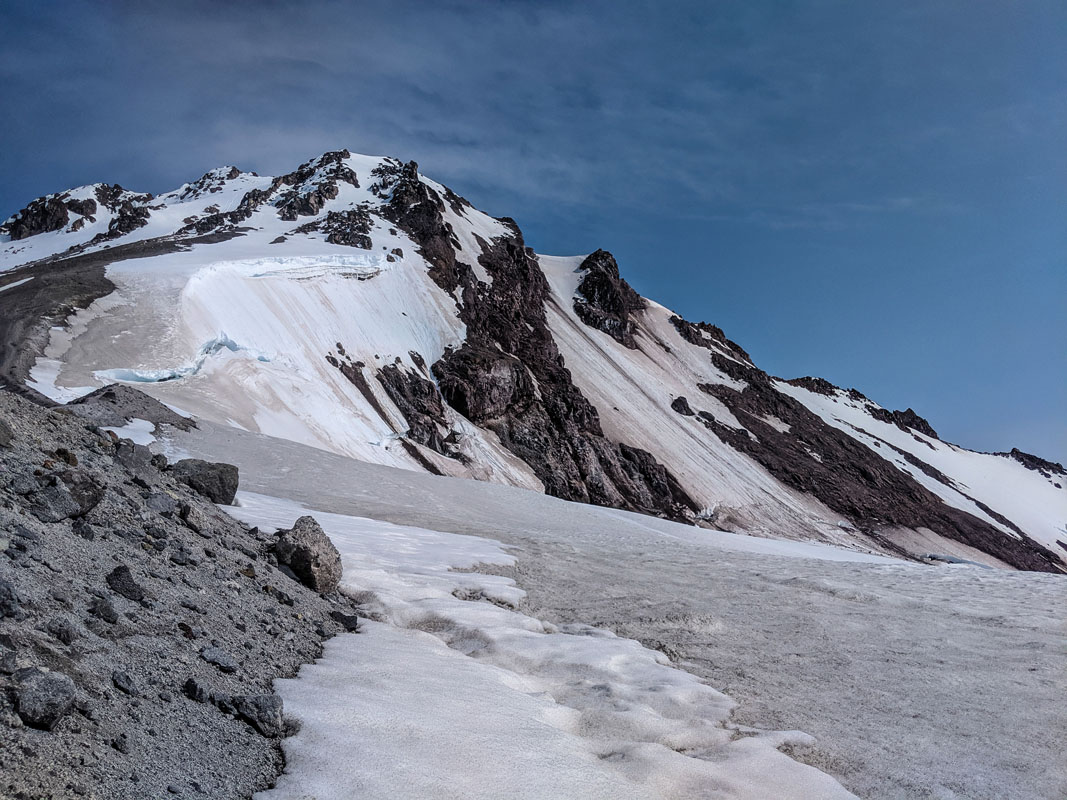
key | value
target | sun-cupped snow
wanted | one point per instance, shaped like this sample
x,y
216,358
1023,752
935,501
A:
x,y
452,693
978,482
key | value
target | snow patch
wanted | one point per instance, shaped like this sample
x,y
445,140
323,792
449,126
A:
x,y
139,431
13,284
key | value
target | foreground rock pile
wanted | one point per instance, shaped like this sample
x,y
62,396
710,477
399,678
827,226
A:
x,y
141,626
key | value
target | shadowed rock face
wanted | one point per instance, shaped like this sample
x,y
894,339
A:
x,y
418,210
419,402
605,300
509,377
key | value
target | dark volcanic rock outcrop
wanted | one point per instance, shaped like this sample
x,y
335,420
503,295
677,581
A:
x,y
605,300
710,337
41,216
420,403
417,209
902,419
1036,463
510,378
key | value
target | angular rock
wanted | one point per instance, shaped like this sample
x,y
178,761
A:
x,y
196,690
219,658
124,683
215,481
135,457
308,552
121,582
681,405
54,503
9,599
103,609
6,434
262,711
350,622
44,697
86,489
161,503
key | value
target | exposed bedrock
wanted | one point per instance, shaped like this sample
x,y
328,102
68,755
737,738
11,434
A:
x,y
509,376
1036,463
420,403
845,474
605,300
41,216
708,336
351,227
418,210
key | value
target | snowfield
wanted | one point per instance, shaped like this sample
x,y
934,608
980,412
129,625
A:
x,y
453,694
915,681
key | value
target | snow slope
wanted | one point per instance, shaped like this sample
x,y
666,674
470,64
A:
x,y
977,482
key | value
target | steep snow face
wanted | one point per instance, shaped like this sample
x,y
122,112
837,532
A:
x,y
993,487
634,389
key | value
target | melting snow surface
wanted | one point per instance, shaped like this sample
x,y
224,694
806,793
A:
x,y
455,695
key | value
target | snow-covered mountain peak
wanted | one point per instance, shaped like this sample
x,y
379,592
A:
x,y
360,307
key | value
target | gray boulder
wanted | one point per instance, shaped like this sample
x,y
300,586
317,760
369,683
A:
x,y
309,553
54,503
6,434
262,711
135,457
44,697
215,481
220,658
9,599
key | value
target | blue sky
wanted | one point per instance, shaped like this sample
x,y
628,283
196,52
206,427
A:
x,y
875,193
